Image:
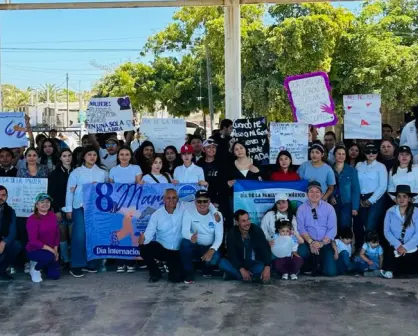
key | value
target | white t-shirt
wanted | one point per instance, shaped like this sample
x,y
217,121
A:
x,y
191,174
108,160
127,174
161,178
341,246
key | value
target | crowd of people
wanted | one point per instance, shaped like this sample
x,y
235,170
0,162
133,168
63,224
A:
x,y
360,216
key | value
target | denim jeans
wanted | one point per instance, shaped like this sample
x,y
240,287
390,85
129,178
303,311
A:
x,y
362,266
368,219
46,261
192,251
324,262
344,263
344,214
9,255
255,267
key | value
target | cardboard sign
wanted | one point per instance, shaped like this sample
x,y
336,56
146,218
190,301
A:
x,y
363,126
105,115
310,99
253,133
367,103
12,130
293,137
22,193
163,132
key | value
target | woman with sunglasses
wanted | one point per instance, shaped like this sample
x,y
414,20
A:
x,y
403,172
317,170
373,179
346,196
90,171
401,231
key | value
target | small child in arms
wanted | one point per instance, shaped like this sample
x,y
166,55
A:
x,y
284,247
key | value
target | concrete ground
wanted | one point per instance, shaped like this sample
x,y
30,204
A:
x,y
126,304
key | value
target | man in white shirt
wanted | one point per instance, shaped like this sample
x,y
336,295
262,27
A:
x,y
202,237
409,135
189,172
109,155
330,139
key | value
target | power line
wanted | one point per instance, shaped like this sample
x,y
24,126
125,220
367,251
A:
x,y
66,50
46,69
115,39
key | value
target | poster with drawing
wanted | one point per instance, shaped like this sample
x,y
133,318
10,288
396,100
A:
x,y
163,132
362,103
363,126
12,130
310,99
293,137
106,115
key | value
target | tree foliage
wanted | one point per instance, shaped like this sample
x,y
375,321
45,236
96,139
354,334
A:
x,y
375,50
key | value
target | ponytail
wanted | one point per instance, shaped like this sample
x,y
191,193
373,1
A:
x,y
408,215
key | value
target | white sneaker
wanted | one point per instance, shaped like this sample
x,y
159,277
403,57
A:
x,y
285,276
130,269
293,277
121,269
34,274
386,274
27,267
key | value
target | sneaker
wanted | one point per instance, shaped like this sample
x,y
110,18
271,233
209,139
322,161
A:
x,y
121,269
12,270
34,274
141,264
6,277
293,277
77,272
386,274
131,269
189,280
154,278
89,269
27,268
285,276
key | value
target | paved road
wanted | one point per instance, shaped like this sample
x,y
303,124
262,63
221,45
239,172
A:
x,y
125,304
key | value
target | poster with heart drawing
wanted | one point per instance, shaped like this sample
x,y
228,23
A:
x,y
362,103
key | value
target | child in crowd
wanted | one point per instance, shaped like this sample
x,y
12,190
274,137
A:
x,y
343,251
370,260
284,247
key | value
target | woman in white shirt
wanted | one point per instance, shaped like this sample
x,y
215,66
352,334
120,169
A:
x,y
90,171
156,176
126,171
373,178
403,173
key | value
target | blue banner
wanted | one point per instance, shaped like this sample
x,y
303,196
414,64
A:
x,y
116,215
258,197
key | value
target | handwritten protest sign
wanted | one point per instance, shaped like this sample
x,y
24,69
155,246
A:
x,y
116,215
310,99
292,137
366,103
106,115
22,193
163,132
363,126
12,130
253,133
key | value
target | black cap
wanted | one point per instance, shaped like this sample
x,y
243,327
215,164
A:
x,y
314,184
403,189
370,146
405,149
202,194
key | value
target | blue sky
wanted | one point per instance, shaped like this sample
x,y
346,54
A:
x,y
94,29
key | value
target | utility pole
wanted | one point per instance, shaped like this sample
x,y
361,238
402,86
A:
x,y
55,108
37,102
68,101
209,79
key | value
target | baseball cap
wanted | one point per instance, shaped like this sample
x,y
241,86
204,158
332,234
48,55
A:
x,y
370,149
202,194
186,149
405,149
280,197
209,142
314,184
42,196
116,141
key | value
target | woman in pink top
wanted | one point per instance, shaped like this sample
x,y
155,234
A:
x,y
44,238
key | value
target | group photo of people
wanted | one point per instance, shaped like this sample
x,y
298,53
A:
x,y
359,217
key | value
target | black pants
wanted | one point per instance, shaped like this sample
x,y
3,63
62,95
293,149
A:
x,y
155,250
407,264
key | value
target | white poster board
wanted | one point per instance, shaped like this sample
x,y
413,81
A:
x,y
105,115
163,132
12,130
363,126
293,137
362,103
22,193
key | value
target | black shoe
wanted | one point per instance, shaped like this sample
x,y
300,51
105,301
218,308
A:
x,y
6,277
154,278
77,272
89,269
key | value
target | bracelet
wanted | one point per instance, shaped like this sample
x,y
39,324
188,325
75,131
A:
x,y
311,242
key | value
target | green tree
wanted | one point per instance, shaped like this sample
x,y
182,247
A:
x,y
14,98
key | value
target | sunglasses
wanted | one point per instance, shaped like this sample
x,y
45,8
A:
x,y
314,214
110,145
202,201
372,151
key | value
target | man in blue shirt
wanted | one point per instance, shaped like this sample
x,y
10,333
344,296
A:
x,y
9,247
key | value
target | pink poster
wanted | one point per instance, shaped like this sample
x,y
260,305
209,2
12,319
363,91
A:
x,y
310,99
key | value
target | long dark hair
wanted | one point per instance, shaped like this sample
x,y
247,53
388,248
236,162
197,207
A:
x,y
141,160
132,160
239,142
54,155
91,149
397,165
284,153
177,161
62,151
76,161
289,212
162,172
359,157
408,215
